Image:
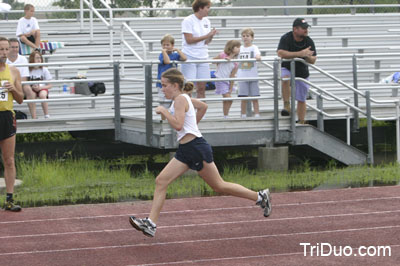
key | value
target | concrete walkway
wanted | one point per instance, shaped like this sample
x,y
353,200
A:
x,y
3,183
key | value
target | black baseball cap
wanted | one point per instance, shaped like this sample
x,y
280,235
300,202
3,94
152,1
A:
x,y
301,22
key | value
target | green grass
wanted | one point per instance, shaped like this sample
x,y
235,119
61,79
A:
x,y
43,137
72,181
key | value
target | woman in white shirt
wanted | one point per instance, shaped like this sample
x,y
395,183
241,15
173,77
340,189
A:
x,y
196,35
193,152
38,90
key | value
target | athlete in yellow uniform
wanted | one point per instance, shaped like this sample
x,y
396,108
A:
x,y
10,89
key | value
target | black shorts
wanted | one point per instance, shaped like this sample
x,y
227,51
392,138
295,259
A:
x,y
31,39
194,153
8,124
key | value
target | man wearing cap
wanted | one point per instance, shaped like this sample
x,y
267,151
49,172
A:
x,y
296,44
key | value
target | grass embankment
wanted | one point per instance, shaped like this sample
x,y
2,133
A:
x,y
71,181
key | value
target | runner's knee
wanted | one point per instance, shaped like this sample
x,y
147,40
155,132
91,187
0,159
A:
x,y
219,187
8,162
161,181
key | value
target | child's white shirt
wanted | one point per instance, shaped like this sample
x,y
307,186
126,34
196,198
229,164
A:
x,y
26,25
248,69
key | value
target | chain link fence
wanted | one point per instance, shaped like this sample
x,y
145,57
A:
x,y
75,4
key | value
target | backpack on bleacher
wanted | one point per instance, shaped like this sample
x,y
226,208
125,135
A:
x,y
211,84
97,87
20,115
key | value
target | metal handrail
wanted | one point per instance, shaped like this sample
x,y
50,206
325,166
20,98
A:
x,y
68,99
125,43
126,26
66,63
341,100
147,65
354,107
108,24
342,82
62,81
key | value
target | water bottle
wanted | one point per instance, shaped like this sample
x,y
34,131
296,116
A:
x,y
65,88
72,88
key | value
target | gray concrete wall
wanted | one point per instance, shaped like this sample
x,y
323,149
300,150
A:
x,y
273,158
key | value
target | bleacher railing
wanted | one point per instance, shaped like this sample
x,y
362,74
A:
x,y
108,24
124,43
353,107
275,81
69,97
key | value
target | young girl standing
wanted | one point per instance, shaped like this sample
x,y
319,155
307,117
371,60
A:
x,y
227,70
193,152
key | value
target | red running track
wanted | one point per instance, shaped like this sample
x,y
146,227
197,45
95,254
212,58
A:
x,y
212,231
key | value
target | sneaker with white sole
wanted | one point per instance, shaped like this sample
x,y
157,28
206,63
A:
x,y
265,201
10,206
145,225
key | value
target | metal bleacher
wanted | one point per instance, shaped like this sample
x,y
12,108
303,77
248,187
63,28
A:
x,y
340,39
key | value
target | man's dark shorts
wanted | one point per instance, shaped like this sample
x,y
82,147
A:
x,y
8,125
194,153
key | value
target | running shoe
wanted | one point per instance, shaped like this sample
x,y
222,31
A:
x,y
265,202
285,112
145,225
10,206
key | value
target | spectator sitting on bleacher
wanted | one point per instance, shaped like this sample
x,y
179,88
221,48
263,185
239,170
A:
x,y
168,53
14,58
28,30
38,90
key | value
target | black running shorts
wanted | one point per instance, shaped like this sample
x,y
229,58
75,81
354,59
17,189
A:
x,y
31,39
8,124
194,153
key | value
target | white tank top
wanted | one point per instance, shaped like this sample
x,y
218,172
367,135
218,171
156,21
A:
x,y
190,124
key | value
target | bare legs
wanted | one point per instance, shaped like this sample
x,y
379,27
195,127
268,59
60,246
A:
x,y
301,106
243,107
210,175
36,35
45,106
172,171
7,152
301,111
286,94
30,94
201,89
226,105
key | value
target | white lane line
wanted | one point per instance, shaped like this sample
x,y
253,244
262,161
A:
x,y
199,241
185,262
206,224
235,258
200,210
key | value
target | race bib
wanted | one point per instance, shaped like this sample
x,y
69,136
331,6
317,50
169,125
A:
x,y
3,95
3,92
246,65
